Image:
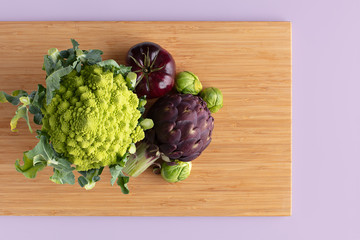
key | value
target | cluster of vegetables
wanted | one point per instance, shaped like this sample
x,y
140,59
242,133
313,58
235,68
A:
x,y
92,112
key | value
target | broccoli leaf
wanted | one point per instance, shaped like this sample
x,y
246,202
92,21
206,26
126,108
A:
x,y
112,65
39,96
122,182
123,70
63,172
38,118
89,178
116,173
109,64
53,82
14,98
30,103
35,159
37,103
33,109
48,65
93,56
2,97
28,169
21,112
44,155
75,44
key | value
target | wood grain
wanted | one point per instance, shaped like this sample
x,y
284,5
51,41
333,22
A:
x,y
246,170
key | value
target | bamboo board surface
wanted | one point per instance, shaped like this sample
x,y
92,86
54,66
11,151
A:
x,y
246,170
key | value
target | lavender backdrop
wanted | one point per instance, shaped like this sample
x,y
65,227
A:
x,y
326,121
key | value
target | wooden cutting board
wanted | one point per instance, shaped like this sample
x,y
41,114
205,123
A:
x,y
246,170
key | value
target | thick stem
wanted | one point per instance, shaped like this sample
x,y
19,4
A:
x,y
146,154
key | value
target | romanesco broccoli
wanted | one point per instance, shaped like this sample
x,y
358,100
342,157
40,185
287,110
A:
x,y
93,118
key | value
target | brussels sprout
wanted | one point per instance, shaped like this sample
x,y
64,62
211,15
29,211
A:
x,y
187,82
147,123
175,171
213,97
131,80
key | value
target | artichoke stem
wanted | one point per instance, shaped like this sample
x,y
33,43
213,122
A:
x,y
146,154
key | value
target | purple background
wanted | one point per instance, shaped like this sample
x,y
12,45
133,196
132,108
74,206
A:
x,y
326,121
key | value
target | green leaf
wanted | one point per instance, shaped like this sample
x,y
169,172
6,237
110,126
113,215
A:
x,y
33,109
19,93
48,65
78,67
89,178
122,182
93,56
2,97
123,70
54,54
116,173
28,169
44,155
75,44
112,65
108,63
38,118
63,171
70,59
64,54
53,82
21,112
38,99
14,98
40,153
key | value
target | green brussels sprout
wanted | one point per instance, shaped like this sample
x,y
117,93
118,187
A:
x,y
188,83
213,97
131,80
175,171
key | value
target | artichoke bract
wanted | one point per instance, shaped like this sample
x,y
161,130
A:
x,y
188,83
182,126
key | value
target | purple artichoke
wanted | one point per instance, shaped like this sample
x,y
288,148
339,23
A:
x,y
182,126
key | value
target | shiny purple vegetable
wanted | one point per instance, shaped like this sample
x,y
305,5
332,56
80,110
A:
x,y
155,69
182,126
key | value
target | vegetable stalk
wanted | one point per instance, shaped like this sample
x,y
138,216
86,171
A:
x,y
146,154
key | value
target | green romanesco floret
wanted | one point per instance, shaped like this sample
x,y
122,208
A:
x,y
93,118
